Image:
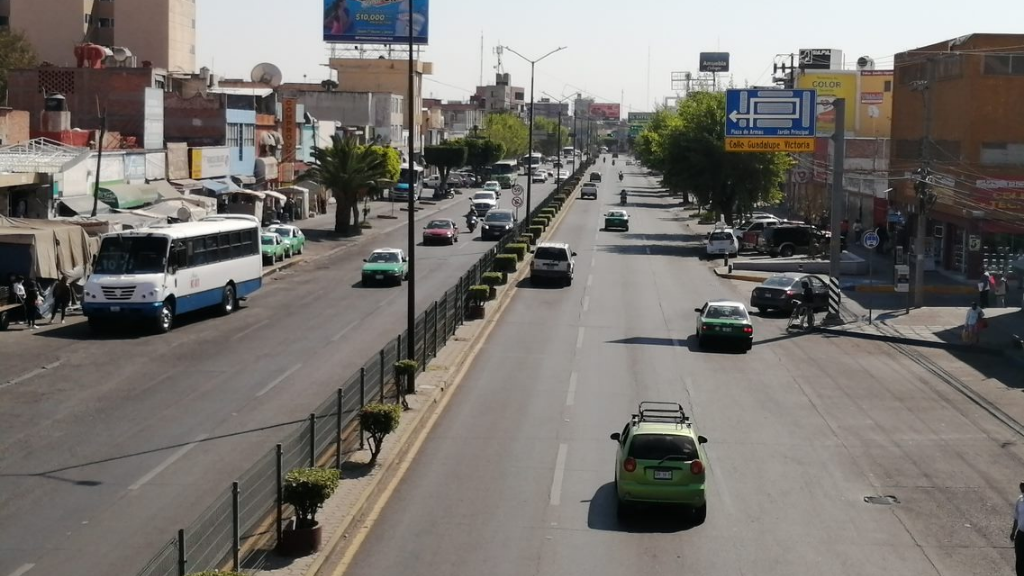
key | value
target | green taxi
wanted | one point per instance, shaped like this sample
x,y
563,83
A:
x,y
660,459
616,220
724,321
273,247
385,266
292,235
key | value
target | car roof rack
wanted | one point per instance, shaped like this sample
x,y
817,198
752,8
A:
x,y
661,412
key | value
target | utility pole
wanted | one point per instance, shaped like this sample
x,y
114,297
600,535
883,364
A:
x,y
410,319
99,162
838,197
922,188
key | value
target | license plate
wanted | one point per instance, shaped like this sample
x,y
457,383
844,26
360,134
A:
x,y
115,308
662,474
379,276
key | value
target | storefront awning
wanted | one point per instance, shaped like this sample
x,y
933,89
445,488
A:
x,y
188,184
82,205
260,195
266,168
271,138
244,180
126,196
275,194
221,186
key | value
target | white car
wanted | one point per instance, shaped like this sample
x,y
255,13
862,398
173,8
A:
x,y
563,174
484,201
722,242
553,261
540,176
493,186
432,182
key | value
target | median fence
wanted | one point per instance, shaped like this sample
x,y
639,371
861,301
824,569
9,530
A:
x,y
247,518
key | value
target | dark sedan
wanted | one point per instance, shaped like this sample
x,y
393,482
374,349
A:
x,y
497,224
781,290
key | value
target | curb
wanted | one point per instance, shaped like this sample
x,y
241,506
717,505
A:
x,y
986,350
424,421
740,277
890,289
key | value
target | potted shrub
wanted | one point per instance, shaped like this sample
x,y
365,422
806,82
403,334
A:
x,y
527,238
541,221
379,420
549,213
478,295
506,263
306,490
517,249
536,231
404,369
493,280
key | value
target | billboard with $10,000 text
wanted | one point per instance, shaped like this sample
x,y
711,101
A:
x,y
375,21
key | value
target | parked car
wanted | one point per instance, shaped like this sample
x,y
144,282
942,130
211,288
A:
x,y
497,224
722,242
484,201
788,240
441,230
749,231
292,235
724,321
781,291
553,261
385,266
273,247
660,459
432,181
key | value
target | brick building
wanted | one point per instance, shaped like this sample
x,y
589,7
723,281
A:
x,y
956,109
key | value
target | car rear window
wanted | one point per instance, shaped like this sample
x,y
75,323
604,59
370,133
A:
x,y
661,446
721,236
547,253
779,282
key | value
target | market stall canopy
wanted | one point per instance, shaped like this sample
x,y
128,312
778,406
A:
x,y
126,196
165,190
180,209
188,184
275,194
55,248
221,186
82,205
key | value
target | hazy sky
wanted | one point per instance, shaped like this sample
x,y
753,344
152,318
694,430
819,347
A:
x,y
608,42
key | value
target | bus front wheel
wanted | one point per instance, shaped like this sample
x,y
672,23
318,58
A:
x,y
165,319
228,301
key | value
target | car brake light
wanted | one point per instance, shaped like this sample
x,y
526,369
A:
x,y
748,330
790,293
706,327
696,467
629,465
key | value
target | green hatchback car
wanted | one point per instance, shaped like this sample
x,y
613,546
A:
x,y
273,247
724,321
385,266
292,235
659,459
616,220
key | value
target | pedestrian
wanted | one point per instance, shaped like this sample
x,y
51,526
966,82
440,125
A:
x,y
61,299
1015,537
289,210
17,294
858,230
973,324
31,302
984,288
999,291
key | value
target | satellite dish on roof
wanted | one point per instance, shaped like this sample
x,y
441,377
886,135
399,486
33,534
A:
x,y
121,54
184,214
267,73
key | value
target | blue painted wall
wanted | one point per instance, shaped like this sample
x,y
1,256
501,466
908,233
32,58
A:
x,y
243,158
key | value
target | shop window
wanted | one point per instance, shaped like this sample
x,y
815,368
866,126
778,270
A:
x,y
1002,154
234,135
249,135
887,86
1004,64
105,23
948,66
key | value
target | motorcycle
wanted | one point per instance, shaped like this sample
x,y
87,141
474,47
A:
x,y
613,162
471,222
620,176
622,198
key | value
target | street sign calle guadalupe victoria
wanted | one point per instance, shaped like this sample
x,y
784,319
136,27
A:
x,y
770,120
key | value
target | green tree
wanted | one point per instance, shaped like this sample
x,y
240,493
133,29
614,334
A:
x,y
393,160
688,147
548,137
480,152
350,171
510,130
446,158
15,52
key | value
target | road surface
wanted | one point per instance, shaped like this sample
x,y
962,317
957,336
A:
x,y
516,478
98,468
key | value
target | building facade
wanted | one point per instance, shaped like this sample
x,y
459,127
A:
x,y
956,112
161,32
501,96
546,108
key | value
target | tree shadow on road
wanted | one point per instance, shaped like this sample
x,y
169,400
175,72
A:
x,y
603,515
650,249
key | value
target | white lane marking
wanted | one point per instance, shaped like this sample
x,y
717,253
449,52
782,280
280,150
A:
x,y
586,303
31,374
249,329
570,398
593,261
344,330
24,568
556,482
590,280
579,337
170,460
278,380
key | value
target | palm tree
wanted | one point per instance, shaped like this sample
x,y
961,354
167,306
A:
x,y
349,170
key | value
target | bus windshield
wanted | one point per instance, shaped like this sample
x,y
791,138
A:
x,y
403,176
132,255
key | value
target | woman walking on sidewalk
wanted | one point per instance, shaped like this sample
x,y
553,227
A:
x,y
999,291
61,299
973,324
984,289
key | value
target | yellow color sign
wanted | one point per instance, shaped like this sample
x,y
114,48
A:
x,y
769,144
197,164
831,85
875,120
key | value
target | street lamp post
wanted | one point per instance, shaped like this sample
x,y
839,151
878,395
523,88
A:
x,y
558,137
411,302
529,179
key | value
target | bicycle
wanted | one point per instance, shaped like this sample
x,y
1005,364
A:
x,y
802,317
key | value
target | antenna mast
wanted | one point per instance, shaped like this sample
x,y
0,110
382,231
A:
x,y
481,58
498,51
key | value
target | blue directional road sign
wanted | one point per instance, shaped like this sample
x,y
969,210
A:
x,y
770,120
870,239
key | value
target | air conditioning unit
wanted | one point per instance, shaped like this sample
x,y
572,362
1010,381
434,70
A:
x,y
865,63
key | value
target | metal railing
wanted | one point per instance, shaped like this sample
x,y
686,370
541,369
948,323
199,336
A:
x,y
245,521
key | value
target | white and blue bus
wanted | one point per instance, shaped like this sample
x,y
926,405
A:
x,y
400,191
154,274
531,161
504,172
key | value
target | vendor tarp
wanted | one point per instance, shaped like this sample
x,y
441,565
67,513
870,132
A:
x,y
42,248
126,196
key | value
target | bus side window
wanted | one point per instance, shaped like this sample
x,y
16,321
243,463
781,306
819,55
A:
x,y
179,256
